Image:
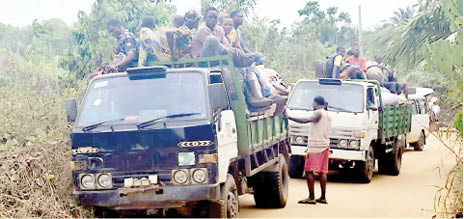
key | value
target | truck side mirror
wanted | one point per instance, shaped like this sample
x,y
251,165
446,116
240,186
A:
x,y
217,96
71,109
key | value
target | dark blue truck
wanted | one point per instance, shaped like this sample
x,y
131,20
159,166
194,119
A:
x,y
177,135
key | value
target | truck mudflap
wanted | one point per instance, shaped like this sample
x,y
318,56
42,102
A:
x,y
152,198
338,154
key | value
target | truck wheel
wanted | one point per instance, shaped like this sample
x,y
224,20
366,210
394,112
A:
x,y
228,206
271,188
419,145
295,168
366,169
391,163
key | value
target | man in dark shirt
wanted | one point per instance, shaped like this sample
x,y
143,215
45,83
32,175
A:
x,y
126,51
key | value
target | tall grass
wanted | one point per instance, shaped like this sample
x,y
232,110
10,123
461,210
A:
x,y
448,199
34,139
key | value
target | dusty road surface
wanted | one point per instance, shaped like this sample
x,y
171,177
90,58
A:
x,y
410,194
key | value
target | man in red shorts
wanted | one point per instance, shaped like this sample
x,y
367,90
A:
x,y
317,158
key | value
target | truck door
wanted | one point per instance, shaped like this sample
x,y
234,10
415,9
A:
x,y
372,103
227,142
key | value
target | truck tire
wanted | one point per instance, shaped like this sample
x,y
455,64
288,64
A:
x,y
271,188
419,145
366,169
295,168
391,162
228,206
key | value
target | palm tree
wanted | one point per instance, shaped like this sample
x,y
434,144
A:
x,y
402,15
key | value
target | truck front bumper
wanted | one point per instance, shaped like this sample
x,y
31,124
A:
x,y
163,197
335,154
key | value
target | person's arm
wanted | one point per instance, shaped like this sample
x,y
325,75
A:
x,y
121,66
334,71
170,39
131,48
363,65
314,118
142,56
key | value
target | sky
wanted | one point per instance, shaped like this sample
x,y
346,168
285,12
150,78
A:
x,y
23,12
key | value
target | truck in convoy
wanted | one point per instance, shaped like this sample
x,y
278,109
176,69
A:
x,y
364,129
177,136
419,123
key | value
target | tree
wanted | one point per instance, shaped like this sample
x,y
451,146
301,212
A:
x,y
94,43
331,27
245,6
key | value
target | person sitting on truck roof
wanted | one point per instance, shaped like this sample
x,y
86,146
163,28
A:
x,y
237,17
127,45
337,62
210,40
357,61
317,158
150,47
180,39
216,43
178,21
231,36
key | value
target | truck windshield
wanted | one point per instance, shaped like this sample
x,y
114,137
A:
x,y
340,98
122,100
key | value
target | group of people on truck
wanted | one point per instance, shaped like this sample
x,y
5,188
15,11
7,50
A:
x,y
354,66
188,37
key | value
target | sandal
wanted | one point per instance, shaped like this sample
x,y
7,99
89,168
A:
x,y
307,201
322,201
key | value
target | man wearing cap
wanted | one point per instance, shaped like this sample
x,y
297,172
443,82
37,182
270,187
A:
x,y
317,158
180,39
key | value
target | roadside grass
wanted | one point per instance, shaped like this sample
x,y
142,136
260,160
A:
x,y
35,179
448,198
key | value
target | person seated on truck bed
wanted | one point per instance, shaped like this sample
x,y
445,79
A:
x,y
231,36
210,40
178,21
150,47
357,61
237,17
180,39
126,50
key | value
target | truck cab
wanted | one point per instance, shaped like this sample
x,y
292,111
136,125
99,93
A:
x,y
174,136
360,125
420,122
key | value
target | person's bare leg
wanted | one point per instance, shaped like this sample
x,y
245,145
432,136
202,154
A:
x,y
310,181
323,182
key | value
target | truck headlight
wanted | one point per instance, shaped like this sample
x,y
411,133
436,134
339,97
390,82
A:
x,y
354,144
299,140
105,180
199,175
180,176
87,181
343,143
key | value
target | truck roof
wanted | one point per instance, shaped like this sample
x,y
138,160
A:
x,y
168,70
345,81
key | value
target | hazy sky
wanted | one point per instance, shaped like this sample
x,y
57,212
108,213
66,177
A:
x,y
23,12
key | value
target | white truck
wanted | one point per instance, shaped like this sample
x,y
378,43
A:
x,y
419,124
363,128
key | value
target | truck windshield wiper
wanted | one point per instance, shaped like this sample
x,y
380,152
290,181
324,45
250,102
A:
x,y
152,121
338,108
93,126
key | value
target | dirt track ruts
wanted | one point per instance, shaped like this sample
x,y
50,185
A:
x,y
411,194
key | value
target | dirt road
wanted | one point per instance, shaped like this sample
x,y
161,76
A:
x,y
410,194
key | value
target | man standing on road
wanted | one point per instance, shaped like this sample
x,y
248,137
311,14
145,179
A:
x,y
317,158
